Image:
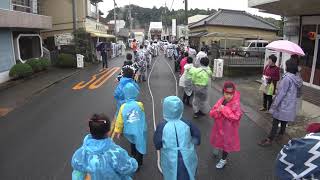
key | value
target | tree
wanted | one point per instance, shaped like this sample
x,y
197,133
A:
x,y
96,1
82,44
144,16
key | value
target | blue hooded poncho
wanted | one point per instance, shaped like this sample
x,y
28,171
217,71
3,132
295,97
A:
x,y
118,92
134,122
102,159
175,138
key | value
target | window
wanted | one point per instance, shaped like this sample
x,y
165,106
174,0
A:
x,y
308,46
253,44
21,5
265,44
30,47
259,45
316,79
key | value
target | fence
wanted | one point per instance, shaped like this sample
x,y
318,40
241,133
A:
x,y
239,49
235,60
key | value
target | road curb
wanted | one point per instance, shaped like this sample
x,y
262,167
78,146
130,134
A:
x,y
12,83
4,111
56,81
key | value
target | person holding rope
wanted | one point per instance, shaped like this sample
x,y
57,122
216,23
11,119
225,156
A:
x,y
99,157
128,63
142,64
176,139
132,124
127,77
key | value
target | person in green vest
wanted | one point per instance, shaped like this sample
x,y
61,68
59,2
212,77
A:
x,y
200,79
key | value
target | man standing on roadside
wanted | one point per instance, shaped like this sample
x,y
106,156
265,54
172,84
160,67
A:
x,y
214,51
103,48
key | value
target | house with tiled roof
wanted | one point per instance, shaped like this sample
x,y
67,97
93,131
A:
x,y
231,28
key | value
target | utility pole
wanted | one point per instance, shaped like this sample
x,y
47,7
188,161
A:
x,y
130,19
115,18
165,18
186,10
74,15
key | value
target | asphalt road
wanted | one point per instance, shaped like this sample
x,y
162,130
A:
x,y
38,139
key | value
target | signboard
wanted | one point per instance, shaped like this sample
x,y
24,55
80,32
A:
x,y
218,68
174,27
93,26
63,39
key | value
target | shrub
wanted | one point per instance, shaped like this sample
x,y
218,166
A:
x,y
20,71
45,63
66,60
35,65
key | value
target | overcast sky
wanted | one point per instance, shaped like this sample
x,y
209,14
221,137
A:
x,y
107,5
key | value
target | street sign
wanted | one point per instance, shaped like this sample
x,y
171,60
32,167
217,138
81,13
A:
x,y
63,39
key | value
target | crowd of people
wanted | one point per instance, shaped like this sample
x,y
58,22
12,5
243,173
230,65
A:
x,y
176,137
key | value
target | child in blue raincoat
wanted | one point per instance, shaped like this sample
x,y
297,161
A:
x,y
131,122
99,157
176,139
127,77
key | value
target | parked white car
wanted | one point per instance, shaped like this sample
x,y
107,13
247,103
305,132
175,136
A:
x,y
253,48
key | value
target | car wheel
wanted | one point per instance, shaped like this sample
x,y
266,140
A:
x,y
247,55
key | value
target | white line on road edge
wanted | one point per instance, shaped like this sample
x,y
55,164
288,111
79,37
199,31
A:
x,y
175,78
153,114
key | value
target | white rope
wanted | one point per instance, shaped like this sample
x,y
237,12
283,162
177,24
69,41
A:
x,y
153,113
153,105
175,78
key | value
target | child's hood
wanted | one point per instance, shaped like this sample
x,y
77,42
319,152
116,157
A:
x,y
172,108
130,91
125,80
95,145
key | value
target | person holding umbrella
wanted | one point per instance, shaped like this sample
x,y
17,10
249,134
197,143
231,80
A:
x,y
103,47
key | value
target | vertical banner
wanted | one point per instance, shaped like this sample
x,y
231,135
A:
x,y
174,27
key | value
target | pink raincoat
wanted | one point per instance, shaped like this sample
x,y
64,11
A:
x,y
224,134
182,64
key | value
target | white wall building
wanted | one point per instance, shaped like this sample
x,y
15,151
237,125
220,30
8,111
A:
x,y
20,25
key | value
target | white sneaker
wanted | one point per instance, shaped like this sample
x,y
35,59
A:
x,y
221,164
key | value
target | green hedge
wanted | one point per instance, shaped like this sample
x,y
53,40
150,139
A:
x,y
45,63
67,61
35,64
20,71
